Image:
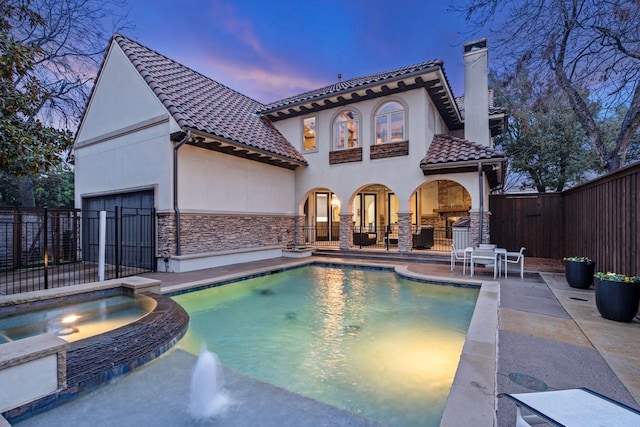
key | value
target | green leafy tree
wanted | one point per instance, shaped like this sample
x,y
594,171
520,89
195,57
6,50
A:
x,y
54,189
27,146
544,141
579,44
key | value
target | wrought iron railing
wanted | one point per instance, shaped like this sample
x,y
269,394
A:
x,y
384,237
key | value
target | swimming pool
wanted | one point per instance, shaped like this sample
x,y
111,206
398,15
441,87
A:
x,y
367,341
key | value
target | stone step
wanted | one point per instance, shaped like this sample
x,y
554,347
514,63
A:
x,y
418,257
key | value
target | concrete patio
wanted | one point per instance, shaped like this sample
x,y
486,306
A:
x,y
545,334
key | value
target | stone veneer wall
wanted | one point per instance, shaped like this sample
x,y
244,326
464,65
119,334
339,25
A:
x,y
345,156
474,228
404,231
389,149
204,232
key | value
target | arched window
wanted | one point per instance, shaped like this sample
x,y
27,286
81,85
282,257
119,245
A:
x,y
390,123
345,130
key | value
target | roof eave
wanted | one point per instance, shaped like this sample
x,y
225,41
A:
x,y
492,167
236,148
356,89
352,95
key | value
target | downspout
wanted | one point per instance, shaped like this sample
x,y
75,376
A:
x,y
176,210
481,187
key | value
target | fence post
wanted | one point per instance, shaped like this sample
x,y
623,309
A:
x,y
102,244
17,240
117,238
46,248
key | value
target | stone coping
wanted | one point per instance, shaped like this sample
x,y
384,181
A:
x,y
134,283
27,349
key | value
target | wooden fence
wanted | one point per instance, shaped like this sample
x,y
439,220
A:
x,y
598,219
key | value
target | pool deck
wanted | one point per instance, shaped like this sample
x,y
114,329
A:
x,y
526,334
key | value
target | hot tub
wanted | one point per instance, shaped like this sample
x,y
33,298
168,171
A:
x,y
119,330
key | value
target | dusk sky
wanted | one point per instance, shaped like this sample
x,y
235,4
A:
x,y
273,49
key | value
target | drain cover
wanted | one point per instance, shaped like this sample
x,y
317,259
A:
x,y
527,381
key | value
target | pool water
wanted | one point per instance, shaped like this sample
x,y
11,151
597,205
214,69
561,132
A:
x,y
366,341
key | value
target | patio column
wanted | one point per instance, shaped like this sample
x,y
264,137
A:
x,y
474,228
298,233
346,236
404,231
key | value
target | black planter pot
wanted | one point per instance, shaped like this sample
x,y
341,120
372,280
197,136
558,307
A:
x,y
617,300
579,274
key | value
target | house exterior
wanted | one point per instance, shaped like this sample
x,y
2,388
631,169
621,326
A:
x,y
366,160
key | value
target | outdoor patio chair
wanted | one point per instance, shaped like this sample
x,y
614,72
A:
x,y
423,239
456,255
515,258
572,407
364,239
487,256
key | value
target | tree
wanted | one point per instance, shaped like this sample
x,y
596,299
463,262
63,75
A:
x,y
49,56
592,44
52,189
26,144
543,139
71,42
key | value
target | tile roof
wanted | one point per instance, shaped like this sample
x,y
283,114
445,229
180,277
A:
x,y
202,104
354,84
447,149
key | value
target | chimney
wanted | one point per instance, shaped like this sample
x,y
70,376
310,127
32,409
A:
x,y
476,92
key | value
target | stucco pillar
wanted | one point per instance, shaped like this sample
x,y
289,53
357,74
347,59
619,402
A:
x,y
474,228
346,236
404,231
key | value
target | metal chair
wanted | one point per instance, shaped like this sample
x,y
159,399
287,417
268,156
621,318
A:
x,y
487,256
456,255
515,258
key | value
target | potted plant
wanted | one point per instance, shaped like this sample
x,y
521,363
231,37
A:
x,y
579,271
617,296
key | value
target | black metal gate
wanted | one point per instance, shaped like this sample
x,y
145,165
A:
x,y
41,248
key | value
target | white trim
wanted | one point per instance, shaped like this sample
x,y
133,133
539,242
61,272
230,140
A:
x,y
182,263
162,118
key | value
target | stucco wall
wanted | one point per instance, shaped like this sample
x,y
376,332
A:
x,y
217,182
134,161
121,98
402,174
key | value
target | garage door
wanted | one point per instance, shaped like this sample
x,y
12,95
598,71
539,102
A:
x,y
130,230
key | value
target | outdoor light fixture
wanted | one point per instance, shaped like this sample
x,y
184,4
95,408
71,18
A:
x,y
69,320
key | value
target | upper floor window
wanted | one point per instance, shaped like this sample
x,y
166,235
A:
x,y
309,134
345,130
390,123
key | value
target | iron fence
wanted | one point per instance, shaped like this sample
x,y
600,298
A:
x,y
50,248
383,237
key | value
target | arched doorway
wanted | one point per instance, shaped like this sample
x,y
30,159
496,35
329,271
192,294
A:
x,y
374,210
321,210
439,204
